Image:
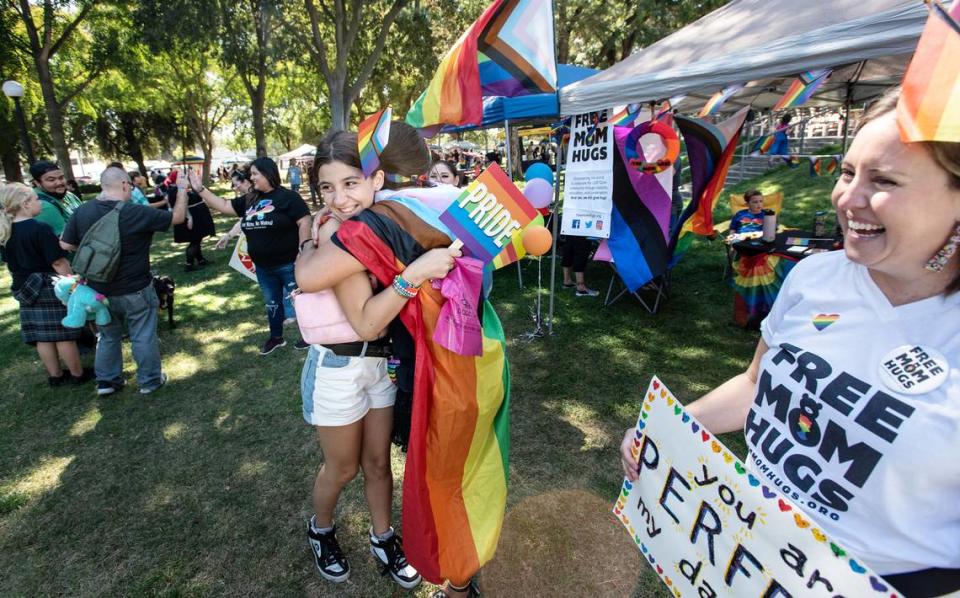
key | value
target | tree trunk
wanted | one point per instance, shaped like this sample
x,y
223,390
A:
x,y
11,164
257,101
54,118
134,149
207,147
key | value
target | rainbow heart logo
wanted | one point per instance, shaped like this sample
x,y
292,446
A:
x,y
821,321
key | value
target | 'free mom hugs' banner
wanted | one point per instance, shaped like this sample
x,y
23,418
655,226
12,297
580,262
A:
x,y
710,528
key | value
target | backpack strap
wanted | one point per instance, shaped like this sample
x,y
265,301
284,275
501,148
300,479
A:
x,y
52,201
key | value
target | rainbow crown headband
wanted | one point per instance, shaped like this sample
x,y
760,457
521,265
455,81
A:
x,y
372,138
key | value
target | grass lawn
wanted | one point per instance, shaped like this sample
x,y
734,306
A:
x,y
203,487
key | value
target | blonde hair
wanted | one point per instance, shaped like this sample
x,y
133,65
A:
x,y
12,198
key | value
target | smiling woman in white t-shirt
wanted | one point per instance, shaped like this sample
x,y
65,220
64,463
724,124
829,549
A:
x,y
851,405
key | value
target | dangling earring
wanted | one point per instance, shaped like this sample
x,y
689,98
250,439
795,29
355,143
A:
x,y
939,261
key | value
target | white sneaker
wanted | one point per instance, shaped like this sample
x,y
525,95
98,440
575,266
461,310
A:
x,y
391,560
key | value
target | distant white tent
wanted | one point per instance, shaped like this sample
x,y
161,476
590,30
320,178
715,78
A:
x,y
767,42
304,150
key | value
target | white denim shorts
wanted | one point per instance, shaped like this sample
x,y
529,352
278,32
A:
x,y
338,390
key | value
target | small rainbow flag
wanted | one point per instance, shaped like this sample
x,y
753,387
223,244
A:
x,y
823,165
488,214
713,104
515,250
929,106
802,88
626,116
372,137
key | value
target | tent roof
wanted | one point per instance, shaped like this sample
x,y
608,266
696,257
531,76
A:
x,y
303,150
767,42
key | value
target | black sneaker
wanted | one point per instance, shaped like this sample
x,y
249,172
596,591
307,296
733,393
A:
x,y
272,343
108,388
83,378
302,344
55,381
327,555
587,292
472,591
392,561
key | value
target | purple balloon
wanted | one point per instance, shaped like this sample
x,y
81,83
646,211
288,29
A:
x,y
539,193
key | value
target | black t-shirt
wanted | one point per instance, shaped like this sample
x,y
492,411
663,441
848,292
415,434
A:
x,y
32,247
270,224
137,225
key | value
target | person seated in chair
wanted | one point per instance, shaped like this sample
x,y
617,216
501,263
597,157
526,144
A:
x,y
751,219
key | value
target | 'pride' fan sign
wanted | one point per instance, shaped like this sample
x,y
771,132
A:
x,y
487,215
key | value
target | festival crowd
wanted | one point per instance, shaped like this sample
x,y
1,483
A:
x,y
354,276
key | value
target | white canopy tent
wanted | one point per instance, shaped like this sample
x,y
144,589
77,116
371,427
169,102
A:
x,y
304,150
766,42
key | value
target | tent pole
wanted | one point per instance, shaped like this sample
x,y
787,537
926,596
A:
x,y
846,120
553,226
506,134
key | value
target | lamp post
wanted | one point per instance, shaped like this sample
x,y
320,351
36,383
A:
x,y
14,90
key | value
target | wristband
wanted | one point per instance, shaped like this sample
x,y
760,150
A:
x,y
404,288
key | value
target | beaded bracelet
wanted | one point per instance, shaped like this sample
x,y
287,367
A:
x,y
404,288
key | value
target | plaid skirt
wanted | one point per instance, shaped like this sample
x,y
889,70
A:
x,y
41,312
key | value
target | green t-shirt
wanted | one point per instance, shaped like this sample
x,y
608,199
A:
x,y
56,212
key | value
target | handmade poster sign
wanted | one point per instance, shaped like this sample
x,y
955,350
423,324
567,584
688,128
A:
x,y
487,215
711,528
241,260
588,187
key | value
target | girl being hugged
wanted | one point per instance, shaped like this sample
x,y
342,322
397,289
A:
x,y
347,392
33,255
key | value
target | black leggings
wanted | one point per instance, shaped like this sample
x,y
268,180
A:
x,y
193,253
576,252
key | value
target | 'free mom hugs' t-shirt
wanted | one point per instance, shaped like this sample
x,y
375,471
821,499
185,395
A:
x,y
856,416
270,224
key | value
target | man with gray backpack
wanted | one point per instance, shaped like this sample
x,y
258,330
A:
x,y
112,238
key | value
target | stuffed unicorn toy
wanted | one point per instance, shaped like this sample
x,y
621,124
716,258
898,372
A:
x,y
83,303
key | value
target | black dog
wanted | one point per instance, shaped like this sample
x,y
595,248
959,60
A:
x,y
164,286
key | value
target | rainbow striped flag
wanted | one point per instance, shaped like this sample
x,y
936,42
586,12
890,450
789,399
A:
x,y
802,88
710,151
508,51
718,99
372,137
514,251
824,165
929,106
455,479
489,213
625,116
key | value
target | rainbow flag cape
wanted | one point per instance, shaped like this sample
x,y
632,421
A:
x,y
455,481
514,251
824,165
718,99
929,106
710,151
802,88
372,137
508,51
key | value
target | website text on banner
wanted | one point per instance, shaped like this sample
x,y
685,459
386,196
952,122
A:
x,y
588,186
489,212
709,527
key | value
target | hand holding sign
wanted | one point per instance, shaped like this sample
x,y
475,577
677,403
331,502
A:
x,y
487,215
710,527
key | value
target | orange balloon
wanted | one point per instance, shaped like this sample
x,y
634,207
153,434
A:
x,y
537,240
